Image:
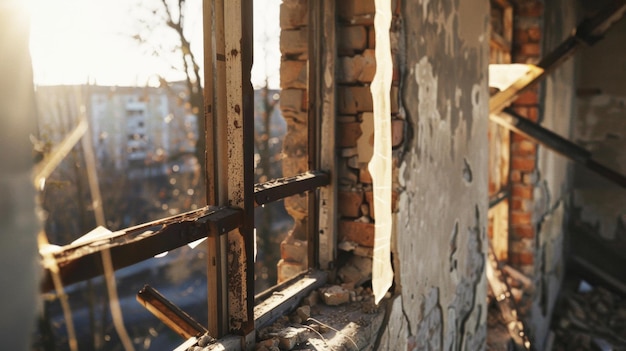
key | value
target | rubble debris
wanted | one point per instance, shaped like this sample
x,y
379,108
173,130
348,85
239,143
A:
x,y
592,318
335,295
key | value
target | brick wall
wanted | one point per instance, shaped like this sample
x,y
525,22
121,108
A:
x,y
293,106
526,49
354,137
355,134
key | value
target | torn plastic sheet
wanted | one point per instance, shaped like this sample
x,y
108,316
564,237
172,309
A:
x,y
381,164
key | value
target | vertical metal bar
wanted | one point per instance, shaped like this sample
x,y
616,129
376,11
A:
x,y
247,40
240,162
313,110
214,85
326,231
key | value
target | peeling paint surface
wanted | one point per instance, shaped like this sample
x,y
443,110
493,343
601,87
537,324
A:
x,y
442,214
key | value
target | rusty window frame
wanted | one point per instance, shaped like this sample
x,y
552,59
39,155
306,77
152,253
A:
x,y
135,244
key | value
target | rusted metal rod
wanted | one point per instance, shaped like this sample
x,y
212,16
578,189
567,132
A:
x,y
281,188
170,314
81,262
518,124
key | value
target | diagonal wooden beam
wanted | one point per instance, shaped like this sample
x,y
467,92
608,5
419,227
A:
x,y
587,32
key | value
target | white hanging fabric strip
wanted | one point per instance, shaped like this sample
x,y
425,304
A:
x,y
381,163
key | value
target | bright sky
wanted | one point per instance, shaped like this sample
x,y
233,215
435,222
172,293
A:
x,y
80,41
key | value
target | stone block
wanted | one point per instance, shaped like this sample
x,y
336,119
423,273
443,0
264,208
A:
x,y
356,271
351,40
293,14
335,295
293,75
304,312
358,232
350,203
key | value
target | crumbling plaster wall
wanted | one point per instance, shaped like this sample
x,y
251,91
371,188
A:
x,y
601,129
551,178
440,226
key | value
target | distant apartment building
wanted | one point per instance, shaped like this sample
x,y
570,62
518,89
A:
x,y
137,129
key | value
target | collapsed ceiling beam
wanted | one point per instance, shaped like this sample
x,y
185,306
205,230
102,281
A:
x,y
588,32
518,124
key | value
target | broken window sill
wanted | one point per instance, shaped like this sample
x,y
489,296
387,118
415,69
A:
x,y
315,325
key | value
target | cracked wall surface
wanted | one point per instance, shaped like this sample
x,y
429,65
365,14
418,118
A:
x,y
440,226
551,177
600,128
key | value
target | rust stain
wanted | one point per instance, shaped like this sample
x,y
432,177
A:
x,y
237,109
234,52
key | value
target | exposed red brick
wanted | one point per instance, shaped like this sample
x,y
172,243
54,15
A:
x,y
351,39
522,258
527,98
523,163
534,34
397,132
293,41
515,176
350,203
354,99
348,133
371,37
521,36
526,231
524,148
518,204
360,233
516,137
293,74
293,14
349,9
522,191
533,114
364,174
530,9
529,49
517,217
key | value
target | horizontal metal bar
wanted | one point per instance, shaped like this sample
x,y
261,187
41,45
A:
x,y
517,123
499,197
284,187
288,299
79,262
170,314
